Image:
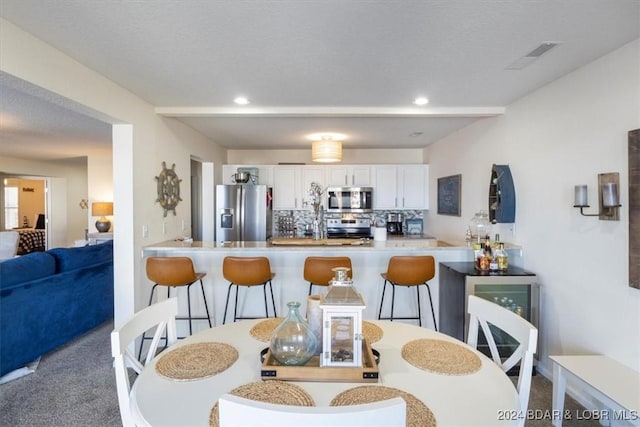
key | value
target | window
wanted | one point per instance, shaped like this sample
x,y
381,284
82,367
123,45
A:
x,y
10,207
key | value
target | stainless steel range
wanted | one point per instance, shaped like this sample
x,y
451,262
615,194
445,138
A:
x,y
348,228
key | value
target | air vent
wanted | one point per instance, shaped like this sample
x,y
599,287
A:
x,y
536,53
542,49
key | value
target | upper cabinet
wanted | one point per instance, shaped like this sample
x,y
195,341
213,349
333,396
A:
x,y
291,183
502,195
401,187
395,187
349,176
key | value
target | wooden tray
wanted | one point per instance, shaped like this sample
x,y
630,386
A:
x,y
368,373
318,242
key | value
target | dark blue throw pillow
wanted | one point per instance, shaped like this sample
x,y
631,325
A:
x,y
73,258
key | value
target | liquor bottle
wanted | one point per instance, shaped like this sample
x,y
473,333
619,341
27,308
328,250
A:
x,y
487,256
502,258
478,253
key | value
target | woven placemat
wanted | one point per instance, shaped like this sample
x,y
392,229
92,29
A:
x,y
418,414
272,391
262,330
372,333
441,357
196,361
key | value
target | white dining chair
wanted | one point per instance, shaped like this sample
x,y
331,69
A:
x,y
484,313
235,411
162,316
8,244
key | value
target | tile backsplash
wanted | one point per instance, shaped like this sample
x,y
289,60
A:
x,y
294,223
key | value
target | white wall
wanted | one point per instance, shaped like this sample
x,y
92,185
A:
x,y
558,136
154,140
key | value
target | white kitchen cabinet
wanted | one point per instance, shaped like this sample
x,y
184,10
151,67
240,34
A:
x,y
401,187
349,175
413,187
291,183
385,190
286,187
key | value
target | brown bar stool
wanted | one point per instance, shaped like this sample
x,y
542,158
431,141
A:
x,y
174,272
247,271
317,270
409,271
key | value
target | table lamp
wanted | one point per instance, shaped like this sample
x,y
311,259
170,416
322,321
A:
x,y
102,209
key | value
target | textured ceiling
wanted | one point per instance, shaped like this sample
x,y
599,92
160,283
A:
x,y
346,66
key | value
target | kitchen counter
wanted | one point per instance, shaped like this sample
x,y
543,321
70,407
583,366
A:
x,y
306,243
287,262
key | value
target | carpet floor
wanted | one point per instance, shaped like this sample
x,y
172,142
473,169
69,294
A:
x,y
75,386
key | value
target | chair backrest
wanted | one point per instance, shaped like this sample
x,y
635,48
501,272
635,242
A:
x,y
317,270
238,411
171,271
246,271
484,313
161,315
411,270
39,222
8,244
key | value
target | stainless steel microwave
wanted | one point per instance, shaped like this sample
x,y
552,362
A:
x,y
349,199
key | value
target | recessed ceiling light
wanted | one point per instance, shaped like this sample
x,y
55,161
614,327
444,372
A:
x,y
421,100
415,134
241,100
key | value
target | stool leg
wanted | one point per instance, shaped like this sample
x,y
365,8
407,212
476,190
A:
x,y
204,298
433,313
273,301
310,286
264,291
419,312
189,308
224,318
235,307
393,298
384,288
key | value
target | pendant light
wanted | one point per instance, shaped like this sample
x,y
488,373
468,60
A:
x,y
326,150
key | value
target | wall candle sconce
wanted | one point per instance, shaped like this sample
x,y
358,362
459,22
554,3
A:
x,y
608,199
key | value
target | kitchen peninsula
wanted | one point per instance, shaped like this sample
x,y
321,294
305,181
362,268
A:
x,y
369,259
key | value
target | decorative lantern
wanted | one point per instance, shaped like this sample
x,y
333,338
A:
x,y
342,338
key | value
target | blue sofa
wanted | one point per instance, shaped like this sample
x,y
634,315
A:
x,y
49,298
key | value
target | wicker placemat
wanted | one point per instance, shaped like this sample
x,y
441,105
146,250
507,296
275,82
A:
x,y
272,391
262,330
372,333
196,361
418,414
441,357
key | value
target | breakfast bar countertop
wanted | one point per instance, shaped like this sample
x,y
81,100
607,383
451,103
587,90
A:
x,y
287,262
306,243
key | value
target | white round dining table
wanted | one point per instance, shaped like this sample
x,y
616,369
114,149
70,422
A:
x,y
486,397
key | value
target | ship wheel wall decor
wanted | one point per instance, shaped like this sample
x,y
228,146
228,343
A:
x,y
168,189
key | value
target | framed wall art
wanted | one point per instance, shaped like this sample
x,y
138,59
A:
x,y
449,195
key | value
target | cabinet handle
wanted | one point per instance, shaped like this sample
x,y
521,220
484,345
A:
x,y
346,180
353,180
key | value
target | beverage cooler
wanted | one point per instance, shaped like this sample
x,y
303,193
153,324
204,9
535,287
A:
x,y
515,289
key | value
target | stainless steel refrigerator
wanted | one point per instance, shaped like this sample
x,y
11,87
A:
x,y
244,212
